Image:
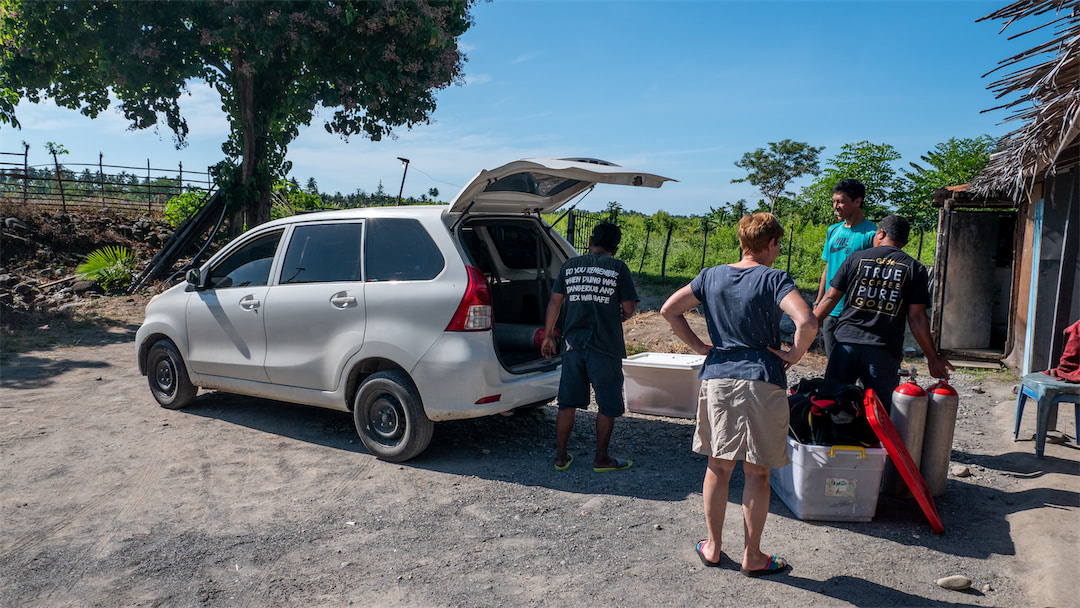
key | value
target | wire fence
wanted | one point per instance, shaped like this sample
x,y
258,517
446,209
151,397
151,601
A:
x,y
683,246
97,186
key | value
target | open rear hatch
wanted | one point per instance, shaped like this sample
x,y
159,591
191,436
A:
x,y
542,185
519,255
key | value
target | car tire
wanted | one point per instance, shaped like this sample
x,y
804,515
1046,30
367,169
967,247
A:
x,y
390,417
168,377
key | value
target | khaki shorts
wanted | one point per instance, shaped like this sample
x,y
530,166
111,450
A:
x,y
742,420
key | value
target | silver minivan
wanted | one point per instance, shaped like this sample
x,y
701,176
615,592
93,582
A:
x,y
404,316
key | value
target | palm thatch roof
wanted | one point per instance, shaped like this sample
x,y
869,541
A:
x,y
1047,99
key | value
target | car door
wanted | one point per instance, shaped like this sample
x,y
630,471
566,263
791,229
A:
x,y
315,316
226,334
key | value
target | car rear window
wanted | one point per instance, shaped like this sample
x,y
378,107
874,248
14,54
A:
x,y
323,253
399,249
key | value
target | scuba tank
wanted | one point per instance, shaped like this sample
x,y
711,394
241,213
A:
x,y
942,404
909,417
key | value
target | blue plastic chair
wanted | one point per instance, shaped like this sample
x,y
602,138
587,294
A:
x,y
1046,391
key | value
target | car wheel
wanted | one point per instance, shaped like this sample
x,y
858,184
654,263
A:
x,y
167,375
390,418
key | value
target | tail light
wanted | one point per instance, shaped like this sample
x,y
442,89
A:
x,y
474,312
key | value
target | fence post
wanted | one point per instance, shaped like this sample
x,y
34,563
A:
x,y
645,251
667,244
26,171
704,246
790,234
920,244
60,181
101,177
570,226
148,208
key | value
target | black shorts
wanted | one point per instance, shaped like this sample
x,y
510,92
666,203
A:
x,y
582,367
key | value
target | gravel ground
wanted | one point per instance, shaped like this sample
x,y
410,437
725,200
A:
x,y
108,500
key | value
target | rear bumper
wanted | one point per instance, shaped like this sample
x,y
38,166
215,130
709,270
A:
x,y
462,368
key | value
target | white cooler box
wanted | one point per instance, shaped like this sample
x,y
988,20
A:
x,y
662,384
831,483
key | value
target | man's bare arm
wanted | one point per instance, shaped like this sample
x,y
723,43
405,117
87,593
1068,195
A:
x,y
821,286
547,348
920,329
828,303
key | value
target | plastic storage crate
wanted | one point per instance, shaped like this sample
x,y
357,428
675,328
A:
x,y
662,384
830,483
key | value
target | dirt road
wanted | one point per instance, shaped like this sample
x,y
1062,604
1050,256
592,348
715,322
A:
x,y
107,500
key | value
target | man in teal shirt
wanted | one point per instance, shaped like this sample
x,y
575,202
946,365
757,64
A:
x,y
852,233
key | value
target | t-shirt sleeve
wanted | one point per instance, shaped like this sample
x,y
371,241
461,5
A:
x,y
627,290
785,285
868,237
697,286
920,286
840,279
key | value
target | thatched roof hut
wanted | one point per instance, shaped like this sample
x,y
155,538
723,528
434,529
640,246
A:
x,y
1047,100
1007,278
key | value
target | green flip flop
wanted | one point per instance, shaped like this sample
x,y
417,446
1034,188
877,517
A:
x,y
620,465
569,461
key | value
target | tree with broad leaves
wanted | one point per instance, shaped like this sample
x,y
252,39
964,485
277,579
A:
x,y
773,169
951,163
374,65
867,162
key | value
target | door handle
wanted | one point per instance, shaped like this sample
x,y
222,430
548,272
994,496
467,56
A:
x,y
249,303
343,300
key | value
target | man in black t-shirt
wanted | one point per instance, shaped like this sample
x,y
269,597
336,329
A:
x,y
599,294
884,288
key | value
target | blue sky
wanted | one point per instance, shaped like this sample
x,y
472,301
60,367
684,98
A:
x,y
681,89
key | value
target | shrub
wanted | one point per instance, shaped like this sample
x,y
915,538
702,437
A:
x,y
180,208
111,267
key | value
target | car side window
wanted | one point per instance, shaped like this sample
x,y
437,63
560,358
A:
x,y
248,266
323,253
399,249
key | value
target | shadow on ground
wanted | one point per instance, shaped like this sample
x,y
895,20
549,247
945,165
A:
x,y
28,372
519,449
516,449
861,592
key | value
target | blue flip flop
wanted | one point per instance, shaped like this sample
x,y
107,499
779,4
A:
x,y
701,555
776,565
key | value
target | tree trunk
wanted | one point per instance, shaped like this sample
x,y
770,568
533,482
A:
x,y
256,185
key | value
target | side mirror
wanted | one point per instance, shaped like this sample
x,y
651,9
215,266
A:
x,y
194,278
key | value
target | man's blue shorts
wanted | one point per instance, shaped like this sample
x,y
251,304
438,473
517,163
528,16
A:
x,y
582,367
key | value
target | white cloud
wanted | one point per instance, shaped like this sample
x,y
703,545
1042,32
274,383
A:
x,y
474,79
526,57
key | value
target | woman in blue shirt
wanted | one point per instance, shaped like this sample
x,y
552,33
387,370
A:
x,y
742,407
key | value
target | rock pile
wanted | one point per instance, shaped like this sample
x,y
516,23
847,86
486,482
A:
x,y
40,250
